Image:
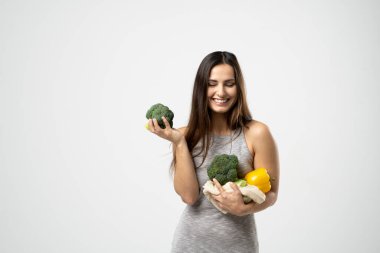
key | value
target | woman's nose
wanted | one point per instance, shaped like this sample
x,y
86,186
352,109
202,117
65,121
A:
x,y
220,90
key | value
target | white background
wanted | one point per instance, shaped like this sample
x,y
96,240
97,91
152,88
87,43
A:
x,y
78,170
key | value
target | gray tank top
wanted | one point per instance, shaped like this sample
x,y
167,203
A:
x,y
203,228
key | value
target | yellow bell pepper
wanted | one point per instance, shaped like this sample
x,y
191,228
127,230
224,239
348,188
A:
x,y
259,178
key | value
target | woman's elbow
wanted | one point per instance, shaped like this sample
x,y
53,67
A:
x,y
190,199
272,198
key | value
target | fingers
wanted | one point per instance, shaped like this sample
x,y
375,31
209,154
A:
x,y
235,187
155,127
219,200
218,186
151,126
167,125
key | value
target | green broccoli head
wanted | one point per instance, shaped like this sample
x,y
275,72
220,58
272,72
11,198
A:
x,y
157,111
223,168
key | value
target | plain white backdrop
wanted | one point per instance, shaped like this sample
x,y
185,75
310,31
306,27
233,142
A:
x,y
78,170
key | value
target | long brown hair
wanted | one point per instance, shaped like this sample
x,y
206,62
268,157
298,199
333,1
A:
x,y
200,125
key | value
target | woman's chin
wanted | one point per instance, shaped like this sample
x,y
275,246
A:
x,y
219,109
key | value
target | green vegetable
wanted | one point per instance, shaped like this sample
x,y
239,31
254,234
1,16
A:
x,y
223,168
241,182
157,111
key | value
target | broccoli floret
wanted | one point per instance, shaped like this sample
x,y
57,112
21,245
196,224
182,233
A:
x,y
157,111
223,168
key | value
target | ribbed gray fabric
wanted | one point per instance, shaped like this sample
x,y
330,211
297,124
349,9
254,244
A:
x,y
202,228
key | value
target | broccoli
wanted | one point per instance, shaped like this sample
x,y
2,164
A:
x,y
241,182
223,168
157,111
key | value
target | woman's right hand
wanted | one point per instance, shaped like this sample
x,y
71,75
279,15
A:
x,y
168,133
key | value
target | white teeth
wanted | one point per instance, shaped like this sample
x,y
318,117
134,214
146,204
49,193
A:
x,y
220,100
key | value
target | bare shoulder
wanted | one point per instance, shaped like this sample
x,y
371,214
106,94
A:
x,y
257,129
257,136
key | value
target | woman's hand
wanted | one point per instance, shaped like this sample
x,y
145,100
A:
x,y
168,133
231,202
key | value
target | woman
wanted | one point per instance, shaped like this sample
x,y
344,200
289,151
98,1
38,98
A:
x,y
220,123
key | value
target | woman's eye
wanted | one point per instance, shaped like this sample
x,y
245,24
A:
x,y
230,84
211,84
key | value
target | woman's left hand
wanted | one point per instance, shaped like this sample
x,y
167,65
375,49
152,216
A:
x,y
231,202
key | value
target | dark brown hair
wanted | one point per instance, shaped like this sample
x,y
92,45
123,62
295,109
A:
x,y
200,125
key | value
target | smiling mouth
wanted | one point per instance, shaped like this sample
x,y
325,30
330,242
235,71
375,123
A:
x,y
220,101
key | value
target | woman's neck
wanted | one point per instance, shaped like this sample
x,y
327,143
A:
x,y
219,125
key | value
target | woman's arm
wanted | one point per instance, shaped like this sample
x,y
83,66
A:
x,y
265,156
185,179
261,142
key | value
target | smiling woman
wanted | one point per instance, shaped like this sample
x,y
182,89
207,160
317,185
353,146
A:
x,y
220,123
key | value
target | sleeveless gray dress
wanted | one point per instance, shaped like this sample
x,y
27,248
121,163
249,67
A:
x,y
202,228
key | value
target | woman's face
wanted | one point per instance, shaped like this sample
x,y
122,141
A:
x,y
222,91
